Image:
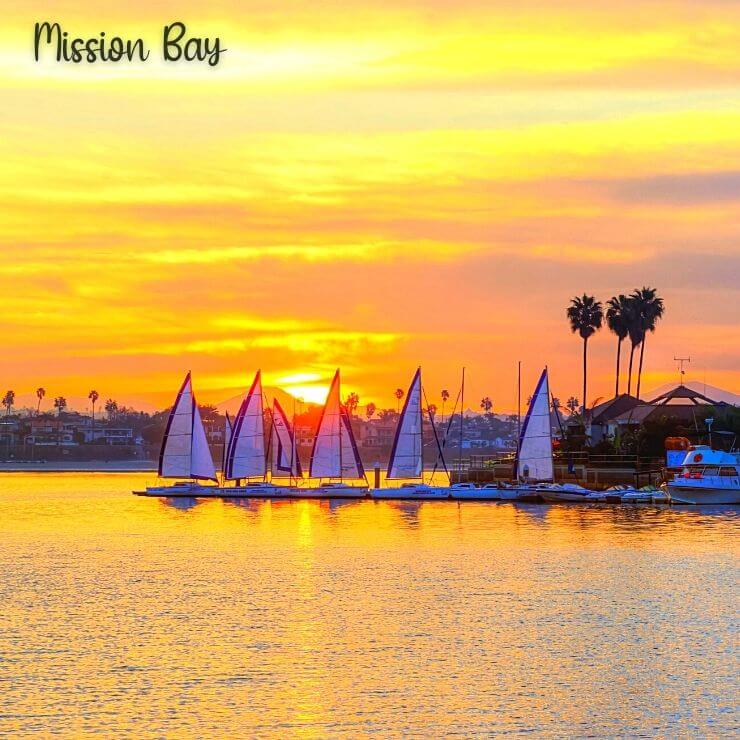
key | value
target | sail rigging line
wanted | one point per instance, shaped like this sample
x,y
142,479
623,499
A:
x,y
447,436
440,453
462,419
228,428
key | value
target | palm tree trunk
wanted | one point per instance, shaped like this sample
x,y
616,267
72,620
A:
x,y
585,343
629,376
639,370
619,354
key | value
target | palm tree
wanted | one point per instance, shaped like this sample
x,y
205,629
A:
x,y
351,404
572,405
486,404
636,335
110,408
60,403
8,401
370,410
618,317
399,396
585,315
650,309
93,396
445,397
40,393
431,410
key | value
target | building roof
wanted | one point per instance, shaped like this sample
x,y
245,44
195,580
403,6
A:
x,y
635,415
682,395
613,408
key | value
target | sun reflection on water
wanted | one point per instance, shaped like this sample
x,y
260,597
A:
x,y
131,616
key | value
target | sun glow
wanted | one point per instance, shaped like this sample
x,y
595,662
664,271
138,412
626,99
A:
x,y
370,186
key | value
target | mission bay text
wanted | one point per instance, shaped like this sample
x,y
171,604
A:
x,y
176,46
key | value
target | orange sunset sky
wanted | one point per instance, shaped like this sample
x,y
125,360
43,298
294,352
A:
x,y
368,185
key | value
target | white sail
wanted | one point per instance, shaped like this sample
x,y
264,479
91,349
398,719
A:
x,y
406,459
245,457
335,452
201,460
534,455
185,452
284,457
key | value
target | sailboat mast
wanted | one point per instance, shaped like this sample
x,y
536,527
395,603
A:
x,y
518,417
421,425
462,416
292,447
339,427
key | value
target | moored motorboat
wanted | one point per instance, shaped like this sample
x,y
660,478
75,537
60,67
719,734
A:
x,y
707,477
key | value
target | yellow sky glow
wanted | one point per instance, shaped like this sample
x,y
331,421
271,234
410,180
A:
x,y
371,186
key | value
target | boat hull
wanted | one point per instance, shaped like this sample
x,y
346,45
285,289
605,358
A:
x,y
700,495
189,490
331,492
411,493
562,497
487,494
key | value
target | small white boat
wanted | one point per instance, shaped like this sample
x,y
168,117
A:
x,y
555,493
257,489
487,492
708,477
637,497
331,490
187,488
412,492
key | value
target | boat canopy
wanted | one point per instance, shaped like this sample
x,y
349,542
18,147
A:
x,y
335,453
185,452
407,454
534,452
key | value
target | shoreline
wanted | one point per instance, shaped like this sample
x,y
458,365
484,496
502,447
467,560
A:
x,y
93,466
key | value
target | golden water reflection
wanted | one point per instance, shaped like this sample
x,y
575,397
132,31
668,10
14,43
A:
x,y
144,617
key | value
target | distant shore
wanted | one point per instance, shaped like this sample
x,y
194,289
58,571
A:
x,y
72,466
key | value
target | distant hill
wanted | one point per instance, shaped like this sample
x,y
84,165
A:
x,y
716,394
284,399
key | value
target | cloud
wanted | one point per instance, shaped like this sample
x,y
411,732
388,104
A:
x,y
679,189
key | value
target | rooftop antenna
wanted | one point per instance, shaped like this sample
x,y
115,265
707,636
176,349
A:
x,y
681,371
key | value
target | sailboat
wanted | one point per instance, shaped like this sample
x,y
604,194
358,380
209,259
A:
x,y
185,454
334,454
407,454
246,457
533,466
